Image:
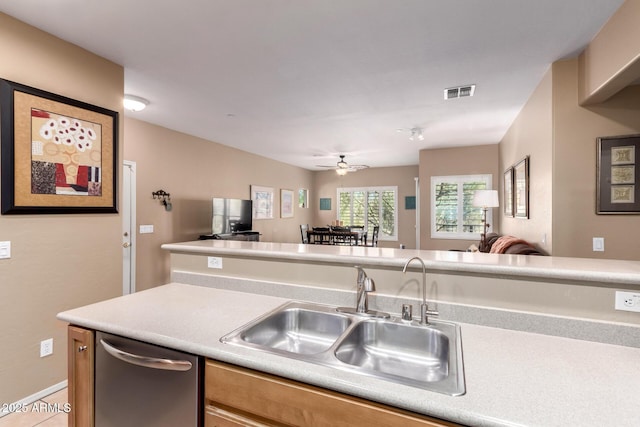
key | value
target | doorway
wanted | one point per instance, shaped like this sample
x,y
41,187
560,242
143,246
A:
x,y
128,227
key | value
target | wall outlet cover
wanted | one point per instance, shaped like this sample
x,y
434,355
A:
x,y
214,262
627,301
46,347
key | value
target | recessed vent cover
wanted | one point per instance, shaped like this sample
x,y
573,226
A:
x,y
459,92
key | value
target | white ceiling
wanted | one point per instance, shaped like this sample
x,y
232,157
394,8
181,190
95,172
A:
x,y
302,81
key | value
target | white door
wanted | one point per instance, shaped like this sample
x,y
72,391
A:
x,y
128,227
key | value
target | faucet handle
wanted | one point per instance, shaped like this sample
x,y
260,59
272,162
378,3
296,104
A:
x,y
425,313
407,312
369,284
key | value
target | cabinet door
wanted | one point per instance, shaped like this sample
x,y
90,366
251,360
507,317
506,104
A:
x,y
284,402
80,365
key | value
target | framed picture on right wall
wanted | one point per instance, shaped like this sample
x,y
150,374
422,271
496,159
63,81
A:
x,y
618,184
521,188
507,192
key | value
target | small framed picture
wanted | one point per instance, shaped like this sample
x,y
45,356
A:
x,y
521,188
286,203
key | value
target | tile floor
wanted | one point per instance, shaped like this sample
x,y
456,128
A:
x,y
36,414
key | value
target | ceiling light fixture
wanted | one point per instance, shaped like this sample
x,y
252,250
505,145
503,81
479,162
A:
x,y
342,171
416,134
134,103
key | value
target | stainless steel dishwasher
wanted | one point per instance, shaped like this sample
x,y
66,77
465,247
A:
x,y
139,385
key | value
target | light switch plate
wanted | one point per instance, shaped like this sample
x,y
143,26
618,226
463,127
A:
x,y
146,229
5,250
598,244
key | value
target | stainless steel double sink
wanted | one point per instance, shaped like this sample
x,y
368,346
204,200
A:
x,y
424,356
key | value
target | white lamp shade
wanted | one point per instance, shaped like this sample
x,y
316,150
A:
x,y
486,199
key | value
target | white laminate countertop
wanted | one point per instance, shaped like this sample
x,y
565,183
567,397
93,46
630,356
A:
x,y
583,270
512,378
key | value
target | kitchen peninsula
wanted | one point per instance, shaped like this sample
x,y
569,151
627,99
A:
x,y
539,349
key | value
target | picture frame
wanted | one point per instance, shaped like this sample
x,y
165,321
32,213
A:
x,y
303,198
617,185
286,203
262,198
521,188
507,192
59,155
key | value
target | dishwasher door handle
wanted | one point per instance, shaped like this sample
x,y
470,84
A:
x,y
145,361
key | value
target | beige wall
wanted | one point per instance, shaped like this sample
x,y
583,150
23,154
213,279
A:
x,y
194,171
57,261
531,135
612,60
326,184
576,129
475,160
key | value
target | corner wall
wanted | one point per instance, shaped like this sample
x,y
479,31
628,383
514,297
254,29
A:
x,y
193,171
57,262
576,130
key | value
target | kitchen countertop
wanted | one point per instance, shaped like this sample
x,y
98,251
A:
x,y
512,378
583,270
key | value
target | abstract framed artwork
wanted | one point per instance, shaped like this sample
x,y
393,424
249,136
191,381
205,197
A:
x,y
286,203
262,198
617,186
507,192
521,188
59,155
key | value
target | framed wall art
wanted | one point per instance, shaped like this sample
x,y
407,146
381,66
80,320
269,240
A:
x,y
521,188
286,203
59,155
262,198
617,186
507,192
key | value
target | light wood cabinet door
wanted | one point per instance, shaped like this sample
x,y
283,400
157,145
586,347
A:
x,y
258,396
81,353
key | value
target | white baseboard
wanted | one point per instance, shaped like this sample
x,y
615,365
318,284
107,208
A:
x,y
34,397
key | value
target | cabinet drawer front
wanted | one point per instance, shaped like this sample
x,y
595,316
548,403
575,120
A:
x,y
218,417
293,403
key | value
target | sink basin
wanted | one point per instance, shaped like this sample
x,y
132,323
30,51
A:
x,y
424,356
297,328
413,353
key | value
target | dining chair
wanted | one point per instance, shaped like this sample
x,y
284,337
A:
x,y
303,233
374,236
341,235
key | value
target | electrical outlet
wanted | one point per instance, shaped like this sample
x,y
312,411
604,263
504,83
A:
x,y
46,347
214,262
627,301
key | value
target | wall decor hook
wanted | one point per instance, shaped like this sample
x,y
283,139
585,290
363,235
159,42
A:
x,y
164,197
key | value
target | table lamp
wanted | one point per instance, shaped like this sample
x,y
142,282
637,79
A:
x,y
485,199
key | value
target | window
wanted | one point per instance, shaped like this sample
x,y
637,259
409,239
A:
x,y
370,206
453,215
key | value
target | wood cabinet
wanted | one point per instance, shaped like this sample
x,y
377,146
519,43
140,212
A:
x,y
80,359
237,396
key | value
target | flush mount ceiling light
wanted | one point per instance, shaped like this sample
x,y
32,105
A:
x,y
134,103
459,91
416,134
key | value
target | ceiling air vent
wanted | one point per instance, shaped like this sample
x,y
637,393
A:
x,y
459,92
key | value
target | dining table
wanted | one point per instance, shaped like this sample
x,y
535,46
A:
x,y
355,236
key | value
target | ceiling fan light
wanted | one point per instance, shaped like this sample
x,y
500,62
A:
x,y
341,171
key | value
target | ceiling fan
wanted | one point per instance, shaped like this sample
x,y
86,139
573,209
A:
x,y
342,167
